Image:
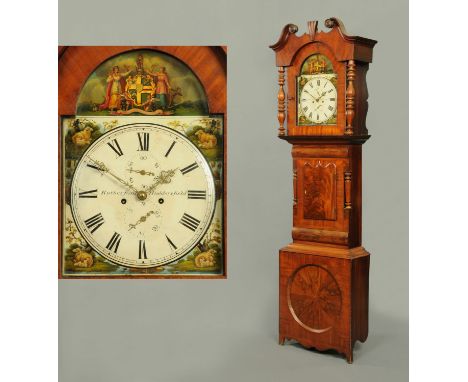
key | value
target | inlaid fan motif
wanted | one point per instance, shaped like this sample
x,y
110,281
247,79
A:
x,y
315,298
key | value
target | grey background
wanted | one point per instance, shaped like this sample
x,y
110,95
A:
x,y
226,330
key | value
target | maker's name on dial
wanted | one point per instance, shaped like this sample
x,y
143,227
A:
x,y
157,193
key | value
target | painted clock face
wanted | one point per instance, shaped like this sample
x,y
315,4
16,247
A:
x,y
318,100
142,195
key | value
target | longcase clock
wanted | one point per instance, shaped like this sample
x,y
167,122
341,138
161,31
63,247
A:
x,y
322,107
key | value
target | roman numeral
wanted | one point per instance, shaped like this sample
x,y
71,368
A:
x,y
303,100
318,82
332,99
88,194
143,139
113,244
170,148
171,243
94,166
189,168
94,222
114,145
317,117
330,108
330,91
189,221
310,115
305,109
142,250
196,194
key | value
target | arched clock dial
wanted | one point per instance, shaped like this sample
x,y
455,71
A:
x,y
318,99
143,195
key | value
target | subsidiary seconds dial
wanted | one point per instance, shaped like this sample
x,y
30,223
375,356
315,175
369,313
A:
x,y
143,195
318,100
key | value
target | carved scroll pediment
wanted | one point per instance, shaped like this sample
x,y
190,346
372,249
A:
x,y
351,48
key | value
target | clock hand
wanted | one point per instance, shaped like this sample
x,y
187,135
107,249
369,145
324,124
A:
x,y
141,220
164,177
141,172
305,91
321,96
104,168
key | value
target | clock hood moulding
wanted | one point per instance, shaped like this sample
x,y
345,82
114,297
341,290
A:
x,y
349,56
351,47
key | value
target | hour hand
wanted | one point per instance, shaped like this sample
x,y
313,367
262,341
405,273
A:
x,y
164,177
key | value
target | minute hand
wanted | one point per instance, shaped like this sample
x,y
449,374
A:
x,y
305,91
104,168
322,96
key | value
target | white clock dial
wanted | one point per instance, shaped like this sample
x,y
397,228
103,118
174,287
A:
x,y
142,195
318,100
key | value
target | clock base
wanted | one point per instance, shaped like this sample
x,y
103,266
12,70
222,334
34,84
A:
x,y
324,296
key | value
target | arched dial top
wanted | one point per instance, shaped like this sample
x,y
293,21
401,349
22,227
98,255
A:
x,y
316,92
143,195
